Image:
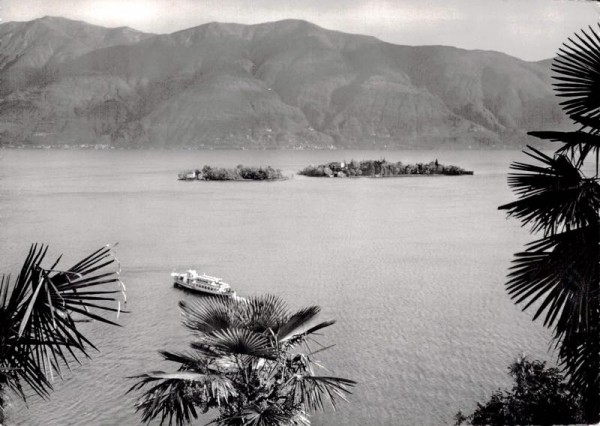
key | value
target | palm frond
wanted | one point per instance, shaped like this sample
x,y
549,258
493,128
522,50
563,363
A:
x,y
314,391
301,335
578,143
262,313
552,195
38,334
590,124
577,68
210,314
298,320
559,274
580,356
187,360
218,388
174,396
265,415
241,342
168,399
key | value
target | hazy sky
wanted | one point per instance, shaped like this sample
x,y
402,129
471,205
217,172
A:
x,y
529,29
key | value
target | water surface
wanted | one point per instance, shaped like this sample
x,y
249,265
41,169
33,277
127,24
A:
x,y
412,269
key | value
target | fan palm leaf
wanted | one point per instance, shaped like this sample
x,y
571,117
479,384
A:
x,y
313,391
168,399
578,142
593,123
552,195
300,335
239,341
265,415
577,68
299,320
175,396
559,274
38,334
262,313
213,314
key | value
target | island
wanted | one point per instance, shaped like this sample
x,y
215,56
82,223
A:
x,y
239,173
381,168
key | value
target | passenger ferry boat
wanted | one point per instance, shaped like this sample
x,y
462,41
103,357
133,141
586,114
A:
x,y
202,283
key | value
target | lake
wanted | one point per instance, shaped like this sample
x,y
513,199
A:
x,y
412,269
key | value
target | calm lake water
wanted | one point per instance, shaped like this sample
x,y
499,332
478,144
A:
x,y
412,269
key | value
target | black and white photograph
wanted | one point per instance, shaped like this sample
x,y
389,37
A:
x,y
293,213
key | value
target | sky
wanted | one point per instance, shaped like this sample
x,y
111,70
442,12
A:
x,y
528,29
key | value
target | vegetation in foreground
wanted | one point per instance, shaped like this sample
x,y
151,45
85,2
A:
x,y
380,168
539,396
238,173
558,274
38,331
252,361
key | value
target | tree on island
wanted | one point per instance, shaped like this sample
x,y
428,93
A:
x,y
252,362
38,328
558,275
238,173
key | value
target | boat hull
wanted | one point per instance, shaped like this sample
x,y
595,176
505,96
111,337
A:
x,y
202,286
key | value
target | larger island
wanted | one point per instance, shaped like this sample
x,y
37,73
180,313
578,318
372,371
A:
x,y
381,168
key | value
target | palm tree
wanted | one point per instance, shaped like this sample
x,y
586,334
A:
x,y
252,361
558,275
39,312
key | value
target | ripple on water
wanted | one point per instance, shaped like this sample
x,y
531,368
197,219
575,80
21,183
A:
x,y
412,269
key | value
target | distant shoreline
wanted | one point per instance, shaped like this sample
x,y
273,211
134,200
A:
x,y
255,149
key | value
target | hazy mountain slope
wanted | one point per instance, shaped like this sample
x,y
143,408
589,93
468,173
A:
x,y
280,84
29,50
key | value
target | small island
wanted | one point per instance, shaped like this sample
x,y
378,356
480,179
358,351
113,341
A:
x,y
239,173
381,168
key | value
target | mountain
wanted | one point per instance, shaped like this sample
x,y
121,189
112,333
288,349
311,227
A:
x,y
28,48
280,84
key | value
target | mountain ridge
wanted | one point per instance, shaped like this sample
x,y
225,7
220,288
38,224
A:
x,y
280,84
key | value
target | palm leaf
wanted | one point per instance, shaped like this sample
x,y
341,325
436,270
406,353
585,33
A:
x,y
169,399
265,415
174,396
38,333
580,355
592,124
238,341
577,68
578,142
187,360
301,335
297,321
559,274
314,391
263,313
552,195
210,314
